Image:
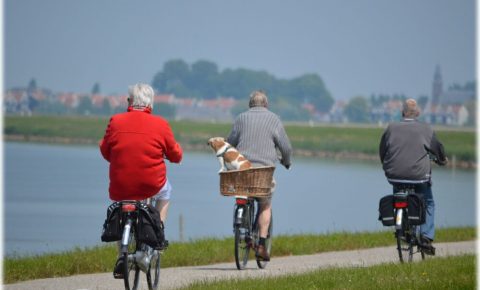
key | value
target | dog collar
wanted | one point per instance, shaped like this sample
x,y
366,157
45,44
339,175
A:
x,y
224,151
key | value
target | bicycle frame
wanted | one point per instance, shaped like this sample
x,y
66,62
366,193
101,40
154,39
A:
x,y
400,203
141,256
405,233
243,212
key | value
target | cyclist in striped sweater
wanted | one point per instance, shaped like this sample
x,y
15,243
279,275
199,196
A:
x,y
259,135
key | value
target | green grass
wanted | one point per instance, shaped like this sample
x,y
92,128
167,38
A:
x,y
203,252
333,139
438,273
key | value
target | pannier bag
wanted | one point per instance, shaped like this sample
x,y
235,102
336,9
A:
x,y
112,229
385,210
150,227
416,209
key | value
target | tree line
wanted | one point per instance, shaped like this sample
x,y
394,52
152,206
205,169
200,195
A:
x,y
203,79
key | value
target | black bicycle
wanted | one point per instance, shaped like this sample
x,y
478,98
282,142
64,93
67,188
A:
x,y
245,227
407,222
137,256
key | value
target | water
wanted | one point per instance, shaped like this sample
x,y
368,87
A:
x,y
56,197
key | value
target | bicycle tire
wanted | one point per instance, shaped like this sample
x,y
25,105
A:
x,y
404,245
154,268
417,242
268,243
242,246
131,273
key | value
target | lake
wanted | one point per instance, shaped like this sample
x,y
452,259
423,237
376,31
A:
x,y
56,197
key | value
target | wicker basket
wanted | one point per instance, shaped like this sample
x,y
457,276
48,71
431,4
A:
x,y
251,182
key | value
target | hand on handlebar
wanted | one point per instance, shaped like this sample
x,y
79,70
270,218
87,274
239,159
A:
x,y
442,163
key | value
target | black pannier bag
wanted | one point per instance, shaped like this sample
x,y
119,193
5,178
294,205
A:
x,y
112,228
385,210
416,209
150,227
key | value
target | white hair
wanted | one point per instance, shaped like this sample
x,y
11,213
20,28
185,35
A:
x,y
410,109
258,99
141,95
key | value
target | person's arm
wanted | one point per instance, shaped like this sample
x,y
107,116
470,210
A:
x,y
173,151
283,144
104,143
436,148
383,146
234,135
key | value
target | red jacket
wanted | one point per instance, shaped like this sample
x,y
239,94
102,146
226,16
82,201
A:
x,y
135,144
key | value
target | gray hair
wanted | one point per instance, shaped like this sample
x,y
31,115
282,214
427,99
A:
x,y
141,95
410,109
258,99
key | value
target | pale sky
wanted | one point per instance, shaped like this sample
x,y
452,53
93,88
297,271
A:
x,y
358,47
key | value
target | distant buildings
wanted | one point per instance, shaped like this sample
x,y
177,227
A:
x,y
448,107
445,107
22,102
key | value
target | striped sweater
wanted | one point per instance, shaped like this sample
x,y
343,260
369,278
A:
x,y
257,134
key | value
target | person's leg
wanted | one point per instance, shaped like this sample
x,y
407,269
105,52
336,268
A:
x,y
162,207
265,212
264,220
428,228
162,200
264,217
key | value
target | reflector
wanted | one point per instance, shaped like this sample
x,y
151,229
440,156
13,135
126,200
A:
x,y
129,207
241,201
402,204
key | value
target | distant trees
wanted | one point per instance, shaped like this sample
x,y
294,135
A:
x,y
357,110
85,106
203,80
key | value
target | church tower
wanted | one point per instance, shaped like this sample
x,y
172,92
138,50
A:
x,y
437,87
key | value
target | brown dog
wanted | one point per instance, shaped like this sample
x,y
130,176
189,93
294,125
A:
x,y
228,156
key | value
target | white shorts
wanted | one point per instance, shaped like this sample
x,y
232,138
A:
x,y
164,193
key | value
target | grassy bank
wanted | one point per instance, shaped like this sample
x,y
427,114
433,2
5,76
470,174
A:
x,y
202,252
440,273
311,141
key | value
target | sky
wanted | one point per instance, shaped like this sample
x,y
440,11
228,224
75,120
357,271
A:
x,y
358,47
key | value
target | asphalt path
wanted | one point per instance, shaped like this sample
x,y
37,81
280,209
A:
x,y
173,278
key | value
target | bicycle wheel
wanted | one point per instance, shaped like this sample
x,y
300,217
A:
x,y
242,246
153,273
415,229
404,245
268,243
131,272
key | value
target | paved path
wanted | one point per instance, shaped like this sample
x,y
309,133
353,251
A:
x,y
172,278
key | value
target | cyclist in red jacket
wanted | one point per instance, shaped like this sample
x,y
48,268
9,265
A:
x,y
136,143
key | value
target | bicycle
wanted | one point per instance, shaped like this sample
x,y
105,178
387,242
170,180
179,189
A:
x,y
407,234
246,230
137,256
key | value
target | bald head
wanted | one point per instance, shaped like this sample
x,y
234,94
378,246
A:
x,y
410,109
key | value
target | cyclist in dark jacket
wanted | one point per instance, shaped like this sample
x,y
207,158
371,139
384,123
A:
x,y
405,150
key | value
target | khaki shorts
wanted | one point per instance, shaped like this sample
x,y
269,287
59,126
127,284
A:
x,y
263,201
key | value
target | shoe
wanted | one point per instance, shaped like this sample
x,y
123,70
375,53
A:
x,y
119,268
262,254
426,245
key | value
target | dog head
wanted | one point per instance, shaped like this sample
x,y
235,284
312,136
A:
x,y
216,143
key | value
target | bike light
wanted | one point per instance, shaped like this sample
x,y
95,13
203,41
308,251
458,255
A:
x,y
241,201
129,207
402,204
